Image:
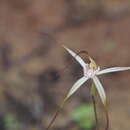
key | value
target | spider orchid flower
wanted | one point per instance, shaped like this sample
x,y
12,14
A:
x,y
91,71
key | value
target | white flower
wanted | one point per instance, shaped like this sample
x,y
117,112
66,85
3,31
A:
x,y
91,71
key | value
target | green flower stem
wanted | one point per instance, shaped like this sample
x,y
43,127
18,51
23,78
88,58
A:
x,y
105,107
93,94
56,114
95,111
107,117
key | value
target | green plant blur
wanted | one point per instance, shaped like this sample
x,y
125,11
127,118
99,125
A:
x,y
83,116
11,122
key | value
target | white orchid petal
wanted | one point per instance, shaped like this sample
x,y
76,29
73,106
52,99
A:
x,y
78,58
113,69
100,89
76,86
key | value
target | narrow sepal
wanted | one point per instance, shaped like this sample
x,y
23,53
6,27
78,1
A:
x,y
100,89
112,69
76,86
78,58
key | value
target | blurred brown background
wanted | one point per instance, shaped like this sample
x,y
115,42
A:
x,y
32,79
